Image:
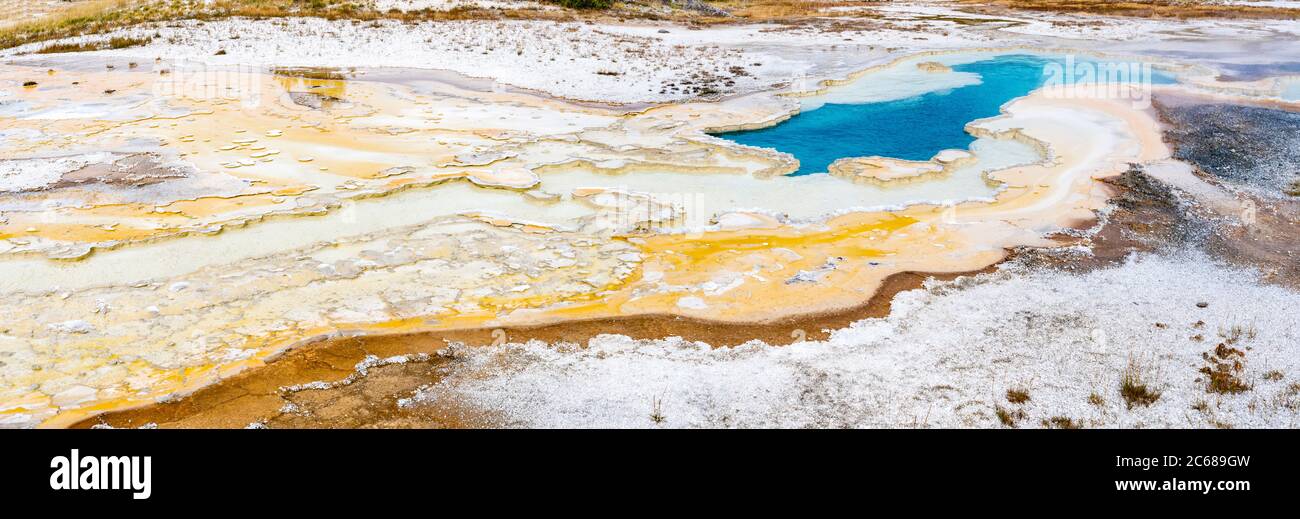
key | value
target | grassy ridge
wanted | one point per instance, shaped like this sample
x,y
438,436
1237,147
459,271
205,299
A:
x,y
101,16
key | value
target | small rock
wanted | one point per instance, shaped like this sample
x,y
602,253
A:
x,y
74,326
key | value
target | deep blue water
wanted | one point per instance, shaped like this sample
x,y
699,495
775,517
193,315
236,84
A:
x,y
914,128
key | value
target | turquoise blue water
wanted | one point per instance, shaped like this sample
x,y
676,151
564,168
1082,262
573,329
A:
x,y
914,128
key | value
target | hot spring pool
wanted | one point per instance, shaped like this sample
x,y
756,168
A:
x,y
912,128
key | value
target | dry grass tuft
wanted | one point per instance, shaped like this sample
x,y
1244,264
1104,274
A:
x,y
657,411
1225,364
1017,396
1289,398
1008,417
1061,422
1293,189
1134,386
1224,380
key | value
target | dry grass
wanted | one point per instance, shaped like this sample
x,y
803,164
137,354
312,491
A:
x,y
1293,189
1289,398
657,411
101,16
1237,332
1017,396
1223,379
785,9
1225,364
797,12
1061,422
1008,417
71,21
1147,9
112,43
1134,386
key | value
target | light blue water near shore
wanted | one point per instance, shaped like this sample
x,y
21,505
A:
x,y
914,128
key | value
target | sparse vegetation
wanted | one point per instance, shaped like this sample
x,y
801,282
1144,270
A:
x,y
657,412
1017,396
1223,380
1290,397
99,17
112,43
791,9
1061,422
1225,364
1237,332
1008,417
1294,188
584,4
1274,376
1097,400
1134,386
